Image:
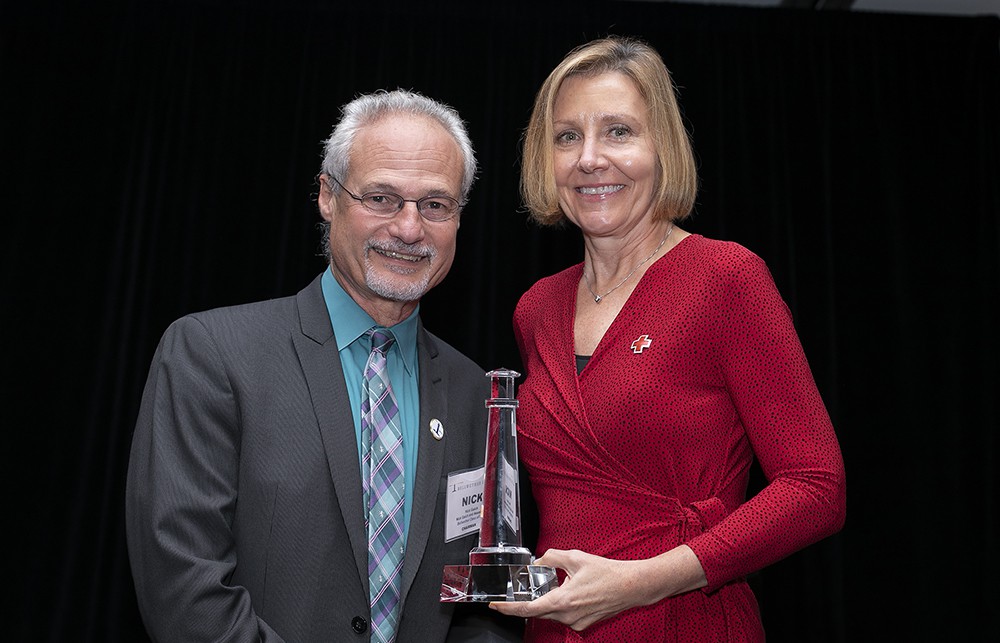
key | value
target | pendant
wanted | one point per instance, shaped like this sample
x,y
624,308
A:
x,y
597,299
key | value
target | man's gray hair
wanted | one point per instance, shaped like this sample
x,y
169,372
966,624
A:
x,y
369,108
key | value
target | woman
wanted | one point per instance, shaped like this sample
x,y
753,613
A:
x,y
687,366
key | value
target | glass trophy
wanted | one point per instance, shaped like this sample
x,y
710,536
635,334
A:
x,y
499,569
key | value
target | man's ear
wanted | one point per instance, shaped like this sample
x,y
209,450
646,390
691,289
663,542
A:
x,y
325,200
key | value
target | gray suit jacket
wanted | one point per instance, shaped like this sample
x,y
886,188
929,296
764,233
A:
x,y
243,502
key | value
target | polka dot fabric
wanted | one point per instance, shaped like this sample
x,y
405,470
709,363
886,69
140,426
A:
x,y
647,450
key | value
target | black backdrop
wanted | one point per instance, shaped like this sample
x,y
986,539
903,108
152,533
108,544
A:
x,y
159,159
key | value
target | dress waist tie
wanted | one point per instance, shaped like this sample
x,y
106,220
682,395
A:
x,y
700,516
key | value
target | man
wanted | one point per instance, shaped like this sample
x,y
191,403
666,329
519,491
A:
x,y
289,468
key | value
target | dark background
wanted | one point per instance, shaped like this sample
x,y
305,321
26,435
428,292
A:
x,y
160,159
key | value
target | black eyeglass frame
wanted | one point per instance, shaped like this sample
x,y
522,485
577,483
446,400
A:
x,y
402,202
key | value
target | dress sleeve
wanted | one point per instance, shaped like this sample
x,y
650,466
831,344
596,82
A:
x,y
774,393
181,495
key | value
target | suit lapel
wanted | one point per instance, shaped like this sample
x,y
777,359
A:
x,y
320,360
430,457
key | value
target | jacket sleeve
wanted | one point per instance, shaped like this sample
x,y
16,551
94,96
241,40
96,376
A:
x,y
181,494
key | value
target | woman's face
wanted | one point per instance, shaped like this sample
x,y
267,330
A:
x,y
604,158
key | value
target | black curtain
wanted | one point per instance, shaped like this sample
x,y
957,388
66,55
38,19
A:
x,y
160,158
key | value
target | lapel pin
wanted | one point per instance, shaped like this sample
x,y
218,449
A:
x,y
437,429
641,344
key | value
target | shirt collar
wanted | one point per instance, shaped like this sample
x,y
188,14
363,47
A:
x,y
350,322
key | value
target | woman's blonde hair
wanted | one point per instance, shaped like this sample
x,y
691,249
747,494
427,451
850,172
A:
x,y
677,183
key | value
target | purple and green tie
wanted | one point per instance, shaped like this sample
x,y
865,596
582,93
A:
x,y
382,475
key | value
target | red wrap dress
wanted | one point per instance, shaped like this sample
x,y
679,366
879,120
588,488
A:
x,y
650,446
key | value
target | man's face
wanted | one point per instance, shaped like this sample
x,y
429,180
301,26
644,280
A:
x,y
376,259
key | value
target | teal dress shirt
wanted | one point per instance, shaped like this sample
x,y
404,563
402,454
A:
x,y
350,322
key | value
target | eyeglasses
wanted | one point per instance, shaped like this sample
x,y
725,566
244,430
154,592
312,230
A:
x,y
387,204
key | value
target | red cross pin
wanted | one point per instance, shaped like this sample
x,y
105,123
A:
x,y
641,344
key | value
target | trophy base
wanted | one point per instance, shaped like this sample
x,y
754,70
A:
x,y
502,583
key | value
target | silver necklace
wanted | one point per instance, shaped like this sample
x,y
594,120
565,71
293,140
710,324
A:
x,y
599,298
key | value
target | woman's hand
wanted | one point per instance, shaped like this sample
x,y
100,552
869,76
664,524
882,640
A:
x,y
597,588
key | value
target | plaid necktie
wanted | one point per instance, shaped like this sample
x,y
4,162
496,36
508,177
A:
x,y
382,472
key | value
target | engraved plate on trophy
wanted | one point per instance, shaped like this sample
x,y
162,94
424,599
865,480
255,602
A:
x,y
499,569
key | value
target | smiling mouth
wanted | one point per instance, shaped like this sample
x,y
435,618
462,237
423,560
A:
x,y
391,254
604,189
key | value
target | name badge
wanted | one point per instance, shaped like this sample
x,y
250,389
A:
x,y
464,503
